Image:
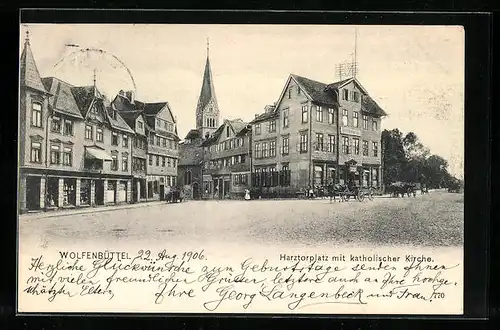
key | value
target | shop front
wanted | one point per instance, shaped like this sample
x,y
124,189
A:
x,y
85,192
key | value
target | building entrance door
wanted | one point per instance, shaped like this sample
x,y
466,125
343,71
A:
x,y
33,193
99,192
162,192
196,190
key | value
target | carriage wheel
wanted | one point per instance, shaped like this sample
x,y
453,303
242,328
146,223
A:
x,y
361,196
370,195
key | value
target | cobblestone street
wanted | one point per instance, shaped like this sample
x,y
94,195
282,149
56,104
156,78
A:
x,y
429,220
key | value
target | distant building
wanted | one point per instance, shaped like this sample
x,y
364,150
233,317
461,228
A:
x,y
317,133
190,150
227,161
74,149
155,146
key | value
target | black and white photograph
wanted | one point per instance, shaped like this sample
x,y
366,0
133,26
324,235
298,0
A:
x,y
268,169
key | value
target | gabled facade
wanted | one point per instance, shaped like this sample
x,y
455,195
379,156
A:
x,y
155,148
324,133
67,150
227,160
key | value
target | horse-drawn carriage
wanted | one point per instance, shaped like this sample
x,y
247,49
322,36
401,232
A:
x,y
398,188
173,196
345,192
454,186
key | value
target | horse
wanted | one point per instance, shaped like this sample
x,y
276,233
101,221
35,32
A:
x,y
402,188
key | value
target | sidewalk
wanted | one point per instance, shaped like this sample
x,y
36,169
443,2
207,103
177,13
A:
x,y
86,210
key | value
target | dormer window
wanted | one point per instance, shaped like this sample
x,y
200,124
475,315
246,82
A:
x,y
345,94
140,125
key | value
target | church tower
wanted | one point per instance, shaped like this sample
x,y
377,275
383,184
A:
x,y
207,110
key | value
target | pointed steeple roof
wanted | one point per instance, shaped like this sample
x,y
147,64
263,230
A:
x,y
207,88
29,75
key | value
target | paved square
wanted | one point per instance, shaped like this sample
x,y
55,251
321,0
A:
x,y
429,220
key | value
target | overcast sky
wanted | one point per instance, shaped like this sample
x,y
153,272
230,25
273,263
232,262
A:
x,y
415,73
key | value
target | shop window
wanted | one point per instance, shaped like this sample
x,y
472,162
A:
x,y
85,192
318,175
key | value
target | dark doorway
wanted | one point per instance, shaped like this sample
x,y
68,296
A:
x,y
99,192
162,192
135,192
196,191
33,193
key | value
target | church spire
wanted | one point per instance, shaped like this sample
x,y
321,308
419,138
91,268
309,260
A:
x,y
207,111
28,72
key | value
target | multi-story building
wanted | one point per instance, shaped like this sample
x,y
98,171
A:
x,y
227,160
323,132
74,149
155,151
191,153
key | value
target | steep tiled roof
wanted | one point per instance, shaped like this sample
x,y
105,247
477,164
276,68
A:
x,y
316,90
62,99
29,75
193,134
153,108
83,96
369,105
117,122
237,124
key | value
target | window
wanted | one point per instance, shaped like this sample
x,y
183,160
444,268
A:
x,y
345,113
169,161
356,97
257,129
365,122
158,123
151,139
67,156
355,119
355,143
304,114
285,147
257,150
285,118
140,125
158,143
231,144
114,138
227,131
164,143
319,114
163,161
124,141
345,94
272,149
36,152
114,163
375,149
54,155
264,150
365,148
56,124
150,160
174,162
374,125
331,143
88,132
36,114
303,142
318,175
319,141
331,116
157,160
99,135
124,163
290,93
345,145
68,127
272,126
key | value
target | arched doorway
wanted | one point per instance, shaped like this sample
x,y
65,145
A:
x,y
196,190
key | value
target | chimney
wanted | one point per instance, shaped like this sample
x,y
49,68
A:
x,y
121,92
130,96
269,108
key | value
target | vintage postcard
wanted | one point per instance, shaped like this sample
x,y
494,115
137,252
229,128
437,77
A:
x,y
271,169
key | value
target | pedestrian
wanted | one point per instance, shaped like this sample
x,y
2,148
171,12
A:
x,y
247,194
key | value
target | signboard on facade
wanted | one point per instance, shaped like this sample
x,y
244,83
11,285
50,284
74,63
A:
x,y
352,169
350,131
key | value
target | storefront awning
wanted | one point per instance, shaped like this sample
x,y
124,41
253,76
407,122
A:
x,y
95,153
